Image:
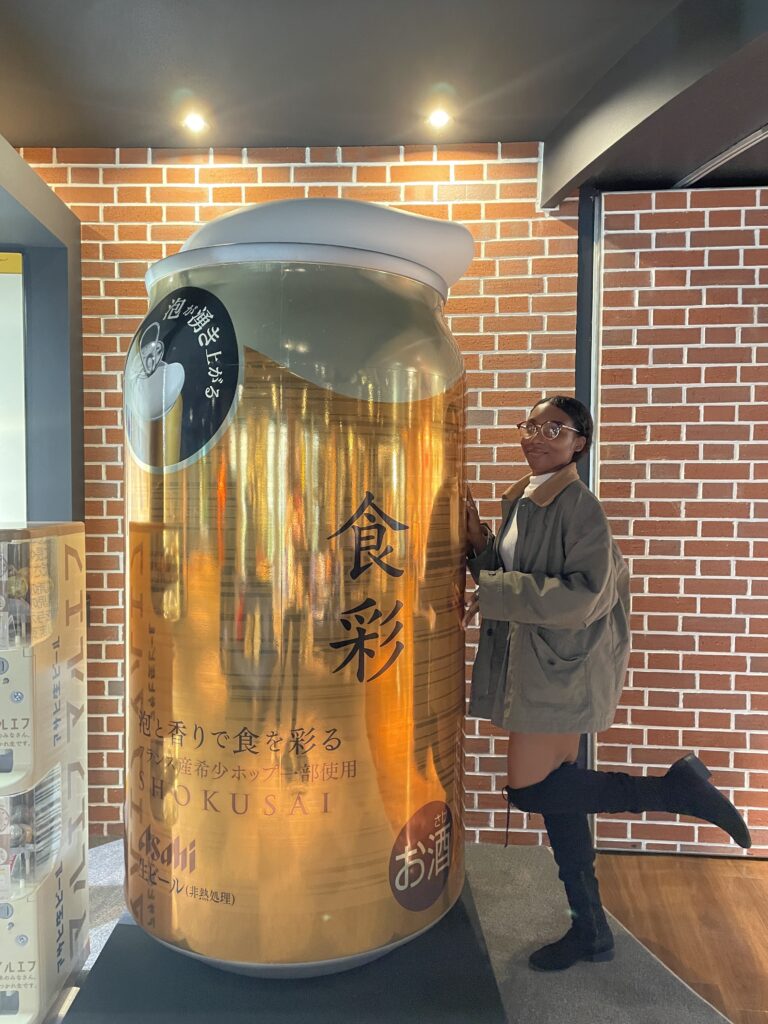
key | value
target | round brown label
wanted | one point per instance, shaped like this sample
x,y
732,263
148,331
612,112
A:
x,y
421,857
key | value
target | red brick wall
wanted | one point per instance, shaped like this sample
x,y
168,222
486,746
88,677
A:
x,y
684,478
513,316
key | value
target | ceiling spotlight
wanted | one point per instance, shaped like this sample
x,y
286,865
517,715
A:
x,y
439,118
195,122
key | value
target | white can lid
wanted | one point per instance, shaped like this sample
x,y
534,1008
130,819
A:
x,y
340,231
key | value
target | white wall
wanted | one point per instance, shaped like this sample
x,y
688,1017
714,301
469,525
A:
x,y
13,466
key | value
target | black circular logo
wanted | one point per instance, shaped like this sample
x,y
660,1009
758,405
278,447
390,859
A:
x,y
181,379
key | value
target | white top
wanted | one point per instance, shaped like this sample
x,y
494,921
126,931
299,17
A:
x,y
508,541
341,231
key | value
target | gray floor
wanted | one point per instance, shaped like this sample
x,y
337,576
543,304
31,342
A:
x,y
520,903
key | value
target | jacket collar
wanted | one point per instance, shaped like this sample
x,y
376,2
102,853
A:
x,y
548,491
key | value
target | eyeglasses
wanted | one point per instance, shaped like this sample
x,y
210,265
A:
x,y
549,430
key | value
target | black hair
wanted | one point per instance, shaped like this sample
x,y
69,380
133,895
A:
x,y
580,416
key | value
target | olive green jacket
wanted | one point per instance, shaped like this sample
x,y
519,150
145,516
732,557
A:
x,y
554,636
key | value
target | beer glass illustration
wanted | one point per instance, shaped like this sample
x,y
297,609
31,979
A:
x,y
153,396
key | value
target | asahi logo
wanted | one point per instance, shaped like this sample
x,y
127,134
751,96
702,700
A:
x,y
181,858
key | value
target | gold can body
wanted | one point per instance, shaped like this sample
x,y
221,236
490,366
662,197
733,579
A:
x,y
295,652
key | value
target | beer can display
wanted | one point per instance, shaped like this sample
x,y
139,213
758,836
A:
x,y
294,413
43,766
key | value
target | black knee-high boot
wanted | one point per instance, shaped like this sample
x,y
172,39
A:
x,y
684,789
589,937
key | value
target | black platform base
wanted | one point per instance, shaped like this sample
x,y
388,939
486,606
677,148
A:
x,y
443,976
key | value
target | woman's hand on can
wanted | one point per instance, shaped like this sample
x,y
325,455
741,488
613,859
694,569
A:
x,y
472,609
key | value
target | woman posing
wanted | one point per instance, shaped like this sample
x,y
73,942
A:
x,y
553,594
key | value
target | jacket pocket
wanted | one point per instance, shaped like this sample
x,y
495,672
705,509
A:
x,y
562,645
489,668
556,671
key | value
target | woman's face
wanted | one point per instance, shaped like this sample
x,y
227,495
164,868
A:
x,y
547,455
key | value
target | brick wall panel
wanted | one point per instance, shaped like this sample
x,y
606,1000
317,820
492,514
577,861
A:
x,y
513,316
689,493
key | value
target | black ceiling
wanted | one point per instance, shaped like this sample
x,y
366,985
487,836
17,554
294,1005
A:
x,y
748,168
303,72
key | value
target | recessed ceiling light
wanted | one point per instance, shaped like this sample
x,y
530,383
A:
x,y
195,122
439,118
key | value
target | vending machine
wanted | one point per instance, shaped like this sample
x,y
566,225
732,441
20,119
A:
x,y
43,766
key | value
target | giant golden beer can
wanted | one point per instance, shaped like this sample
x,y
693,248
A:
x,y
294,409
